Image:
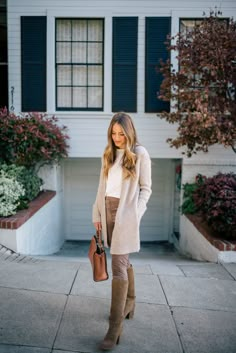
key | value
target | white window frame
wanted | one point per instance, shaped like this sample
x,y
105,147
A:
x,y
51,71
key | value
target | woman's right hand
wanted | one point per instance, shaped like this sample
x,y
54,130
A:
x,y
98,226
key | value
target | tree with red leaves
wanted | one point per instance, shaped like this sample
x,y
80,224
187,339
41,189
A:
x,y
202,92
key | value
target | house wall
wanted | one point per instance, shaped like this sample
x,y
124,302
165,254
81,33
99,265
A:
x,y
88,129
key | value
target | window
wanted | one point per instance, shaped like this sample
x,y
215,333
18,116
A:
x,y
79,64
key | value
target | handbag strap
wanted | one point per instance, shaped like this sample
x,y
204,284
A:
x,y
99,239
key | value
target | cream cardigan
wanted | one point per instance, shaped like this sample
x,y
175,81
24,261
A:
x,y
135,194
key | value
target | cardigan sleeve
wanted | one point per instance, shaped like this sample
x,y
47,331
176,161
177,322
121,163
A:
x,y
96,213
145,183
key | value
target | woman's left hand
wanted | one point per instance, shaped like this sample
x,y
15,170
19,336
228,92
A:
x,y
98,226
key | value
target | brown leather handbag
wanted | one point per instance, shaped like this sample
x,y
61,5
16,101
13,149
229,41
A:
x,y
98,259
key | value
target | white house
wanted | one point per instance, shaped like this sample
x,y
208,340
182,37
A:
x,y
83,60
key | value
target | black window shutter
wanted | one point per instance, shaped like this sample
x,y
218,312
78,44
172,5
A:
x,y
157,29
33,63
124,71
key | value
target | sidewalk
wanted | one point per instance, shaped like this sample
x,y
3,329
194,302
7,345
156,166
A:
x,y
51,305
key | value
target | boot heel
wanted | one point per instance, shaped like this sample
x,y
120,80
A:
x,y
118,340
130,315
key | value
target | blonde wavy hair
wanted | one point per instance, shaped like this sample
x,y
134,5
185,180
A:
x,y
129,158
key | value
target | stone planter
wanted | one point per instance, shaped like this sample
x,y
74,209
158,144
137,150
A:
x,y
198,242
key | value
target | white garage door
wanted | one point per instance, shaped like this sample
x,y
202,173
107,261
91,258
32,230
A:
x,y
81,181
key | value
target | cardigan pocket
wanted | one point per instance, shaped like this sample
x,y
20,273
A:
x,y
141,209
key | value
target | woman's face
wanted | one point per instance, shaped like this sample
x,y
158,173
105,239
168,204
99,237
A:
x,y
118,136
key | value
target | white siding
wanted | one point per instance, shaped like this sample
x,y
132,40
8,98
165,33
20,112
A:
x,y
81,181
176,201
208,168
88,135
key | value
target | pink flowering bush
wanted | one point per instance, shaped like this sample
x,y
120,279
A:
x,y
214,198
31,139
216,201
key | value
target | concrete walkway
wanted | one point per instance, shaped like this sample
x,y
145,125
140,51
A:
x,y
51,305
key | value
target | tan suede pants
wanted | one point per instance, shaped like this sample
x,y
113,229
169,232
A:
x,y
119,263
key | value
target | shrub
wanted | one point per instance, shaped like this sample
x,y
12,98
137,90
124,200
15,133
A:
x,y
189,206
27,177
31,139
10,193
216,200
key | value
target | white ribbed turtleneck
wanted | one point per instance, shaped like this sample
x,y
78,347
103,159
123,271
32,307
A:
x,y
114,179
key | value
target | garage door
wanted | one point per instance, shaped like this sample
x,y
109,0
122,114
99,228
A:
x,y
81,181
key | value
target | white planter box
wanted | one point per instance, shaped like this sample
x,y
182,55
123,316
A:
x,y
52,176
193,244
43,232
40,235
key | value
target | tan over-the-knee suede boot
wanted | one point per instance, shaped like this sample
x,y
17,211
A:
x,y
130,301
118,300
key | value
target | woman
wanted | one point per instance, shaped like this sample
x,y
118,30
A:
x,y
123,192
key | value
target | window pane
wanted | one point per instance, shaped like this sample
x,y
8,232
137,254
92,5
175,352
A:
x,y
187,26
64,97
79,97
64,75
79,53
80,75
63,53
95,53
94,97
95,30
63,30
95,75
79,30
